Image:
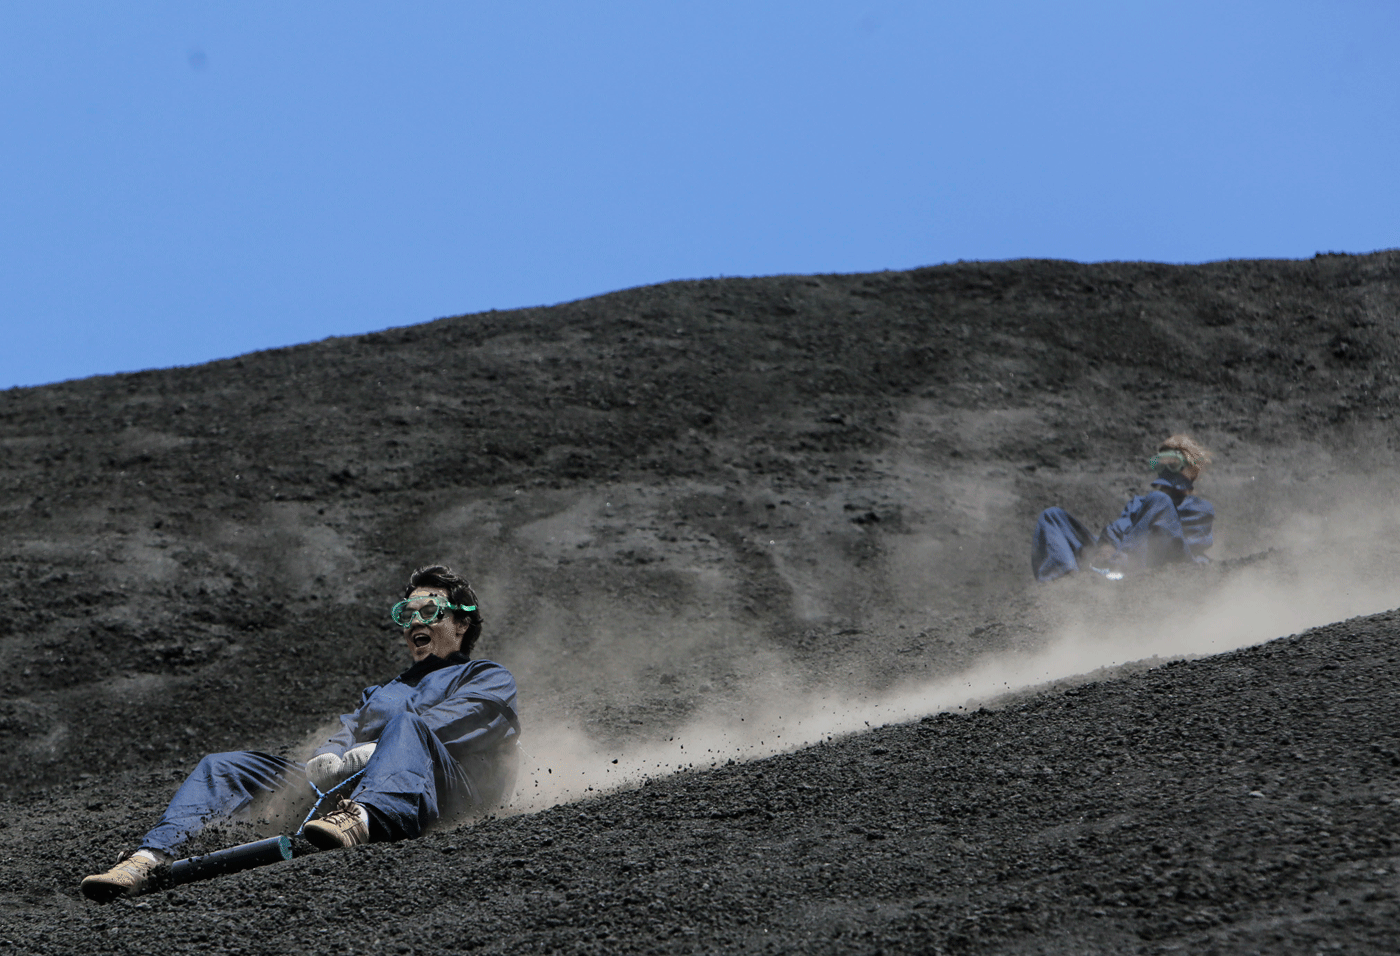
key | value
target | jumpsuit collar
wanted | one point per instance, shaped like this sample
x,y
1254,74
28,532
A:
x,y
427,665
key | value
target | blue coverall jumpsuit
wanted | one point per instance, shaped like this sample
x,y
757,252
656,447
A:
x,y
1151,531
446,732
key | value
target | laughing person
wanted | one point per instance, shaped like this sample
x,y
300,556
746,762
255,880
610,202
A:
x,y
436,741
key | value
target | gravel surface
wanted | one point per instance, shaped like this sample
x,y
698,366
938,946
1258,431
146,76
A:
x,y
1246,802
698,514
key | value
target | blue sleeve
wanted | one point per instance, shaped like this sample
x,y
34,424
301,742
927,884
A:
x,y
1197,518
1154,527
1120,530
344,738
1146,517
477,713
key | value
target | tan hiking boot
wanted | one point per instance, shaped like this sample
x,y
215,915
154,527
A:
x,y
131,877
346,825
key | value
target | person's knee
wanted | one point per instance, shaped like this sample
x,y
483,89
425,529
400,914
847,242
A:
x,y
406,724
217,761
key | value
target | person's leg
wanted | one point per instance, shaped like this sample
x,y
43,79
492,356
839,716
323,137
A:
x,y
1059,539
411,781
222,786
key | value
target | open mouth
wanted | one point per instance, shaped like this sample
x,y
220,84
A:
x,y
421,639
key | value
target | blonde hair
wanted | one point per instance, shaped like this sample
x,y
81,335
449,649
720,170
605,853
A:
x,y
1197,458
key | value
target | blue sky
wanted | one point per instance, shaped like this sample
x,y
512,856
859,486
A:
x,y
189,181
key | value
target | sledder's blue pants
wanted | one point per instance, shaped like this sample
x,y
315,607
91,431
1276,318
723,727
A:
x,y
1059,539
409,782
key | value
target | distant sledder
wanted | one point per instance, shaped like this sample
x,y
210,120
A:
x,y
437,740
1169,525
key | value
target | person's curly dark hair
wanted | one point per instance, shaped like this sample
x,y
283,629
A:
x,y
458,592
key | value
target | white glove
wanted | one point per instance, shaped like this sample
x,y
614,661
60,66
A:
x,y
324,770
356,758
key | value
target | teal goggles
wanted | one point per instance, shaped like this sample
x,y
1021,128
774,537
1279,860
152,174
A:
x,y
424,609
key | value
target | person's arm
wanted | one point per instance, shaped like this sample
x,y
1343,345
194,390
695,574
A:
x,y
343,739
1146,517
1197,521
1118,532
477,713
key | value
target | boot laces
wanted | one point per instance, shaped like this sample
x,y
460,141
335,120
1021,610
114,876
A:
x,y
345,814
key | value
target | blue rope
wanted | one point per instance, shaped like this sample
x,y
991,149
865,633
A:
x,y
321,797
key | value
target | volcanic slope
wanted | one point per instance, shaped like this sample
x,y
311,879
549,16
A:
x,y
689,510
1243,803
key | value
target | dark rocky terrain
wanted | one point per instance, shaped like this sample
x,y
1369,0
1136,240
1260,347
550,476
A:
x,y
697,514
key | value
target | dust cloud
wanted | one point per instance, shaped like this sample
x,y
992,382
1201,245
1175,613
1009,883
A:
x,y
1313,566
